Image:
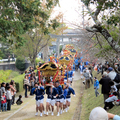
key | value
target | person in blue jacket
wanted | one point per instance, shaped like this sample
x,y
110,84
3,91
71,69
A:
x,y
52,93
39,92
64,95
81,67
68,97
76,64
63,99
73,68
66,75
96,86
70,76
59,100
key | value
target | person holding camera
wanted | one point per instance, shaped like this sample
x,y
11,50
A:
x,y
39,92
52,93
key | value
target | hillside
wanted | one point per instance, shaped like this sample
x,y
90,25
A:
x,y
90,101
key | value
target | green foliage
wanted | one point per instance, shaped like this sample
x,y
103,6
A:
x,y
20,64
17,18
1,54
104,5
106,48
4,75
7,75
19,82
114,33
60,48
38,60
114,20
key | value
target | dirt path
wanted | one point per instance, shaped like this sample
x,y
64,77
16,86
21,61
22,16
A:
x,y
77,113
27,110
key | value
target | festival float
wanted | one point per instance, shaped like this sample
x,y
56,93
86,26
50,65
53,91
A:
x,y
55,71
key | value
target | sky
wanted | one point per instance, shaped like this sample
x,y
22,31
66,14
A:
x,y
72,11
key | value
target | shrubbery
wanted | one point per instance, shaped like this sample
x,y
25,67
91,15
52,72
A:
x,y
20,64
4,75
19,82
8,75
38,60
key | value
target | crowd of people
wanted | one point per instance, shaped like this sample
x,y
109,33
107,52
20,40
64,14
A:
x,y
7,95
60,95
8,91
57,95
110,83
29,81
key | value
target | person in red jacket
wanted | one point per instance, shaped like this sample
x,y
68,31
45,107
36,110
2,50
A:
x,y
4,102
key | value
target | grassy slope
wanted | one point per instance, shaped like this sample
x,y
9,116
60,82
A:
x,y
89,101
7,75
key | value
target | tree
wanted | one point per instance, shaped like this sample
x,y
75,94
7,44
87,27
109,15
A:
x,y
16,18
36,39
20,64
112,18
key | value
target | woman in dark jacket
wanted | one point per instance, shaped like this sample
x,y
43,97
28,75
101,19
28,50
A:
x,y
105,85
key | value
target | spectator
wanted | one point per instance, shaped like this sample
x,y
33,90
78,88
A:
x,y
3,88
91,76
111,73
76,64
4,102
113,87
7,85
9,98
26,84
34,77
0,99
81,67
32,82
13,91
96,86
109,101
26,72
87,79
14,86
19,101
105,85
40,64
30,69
99,113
